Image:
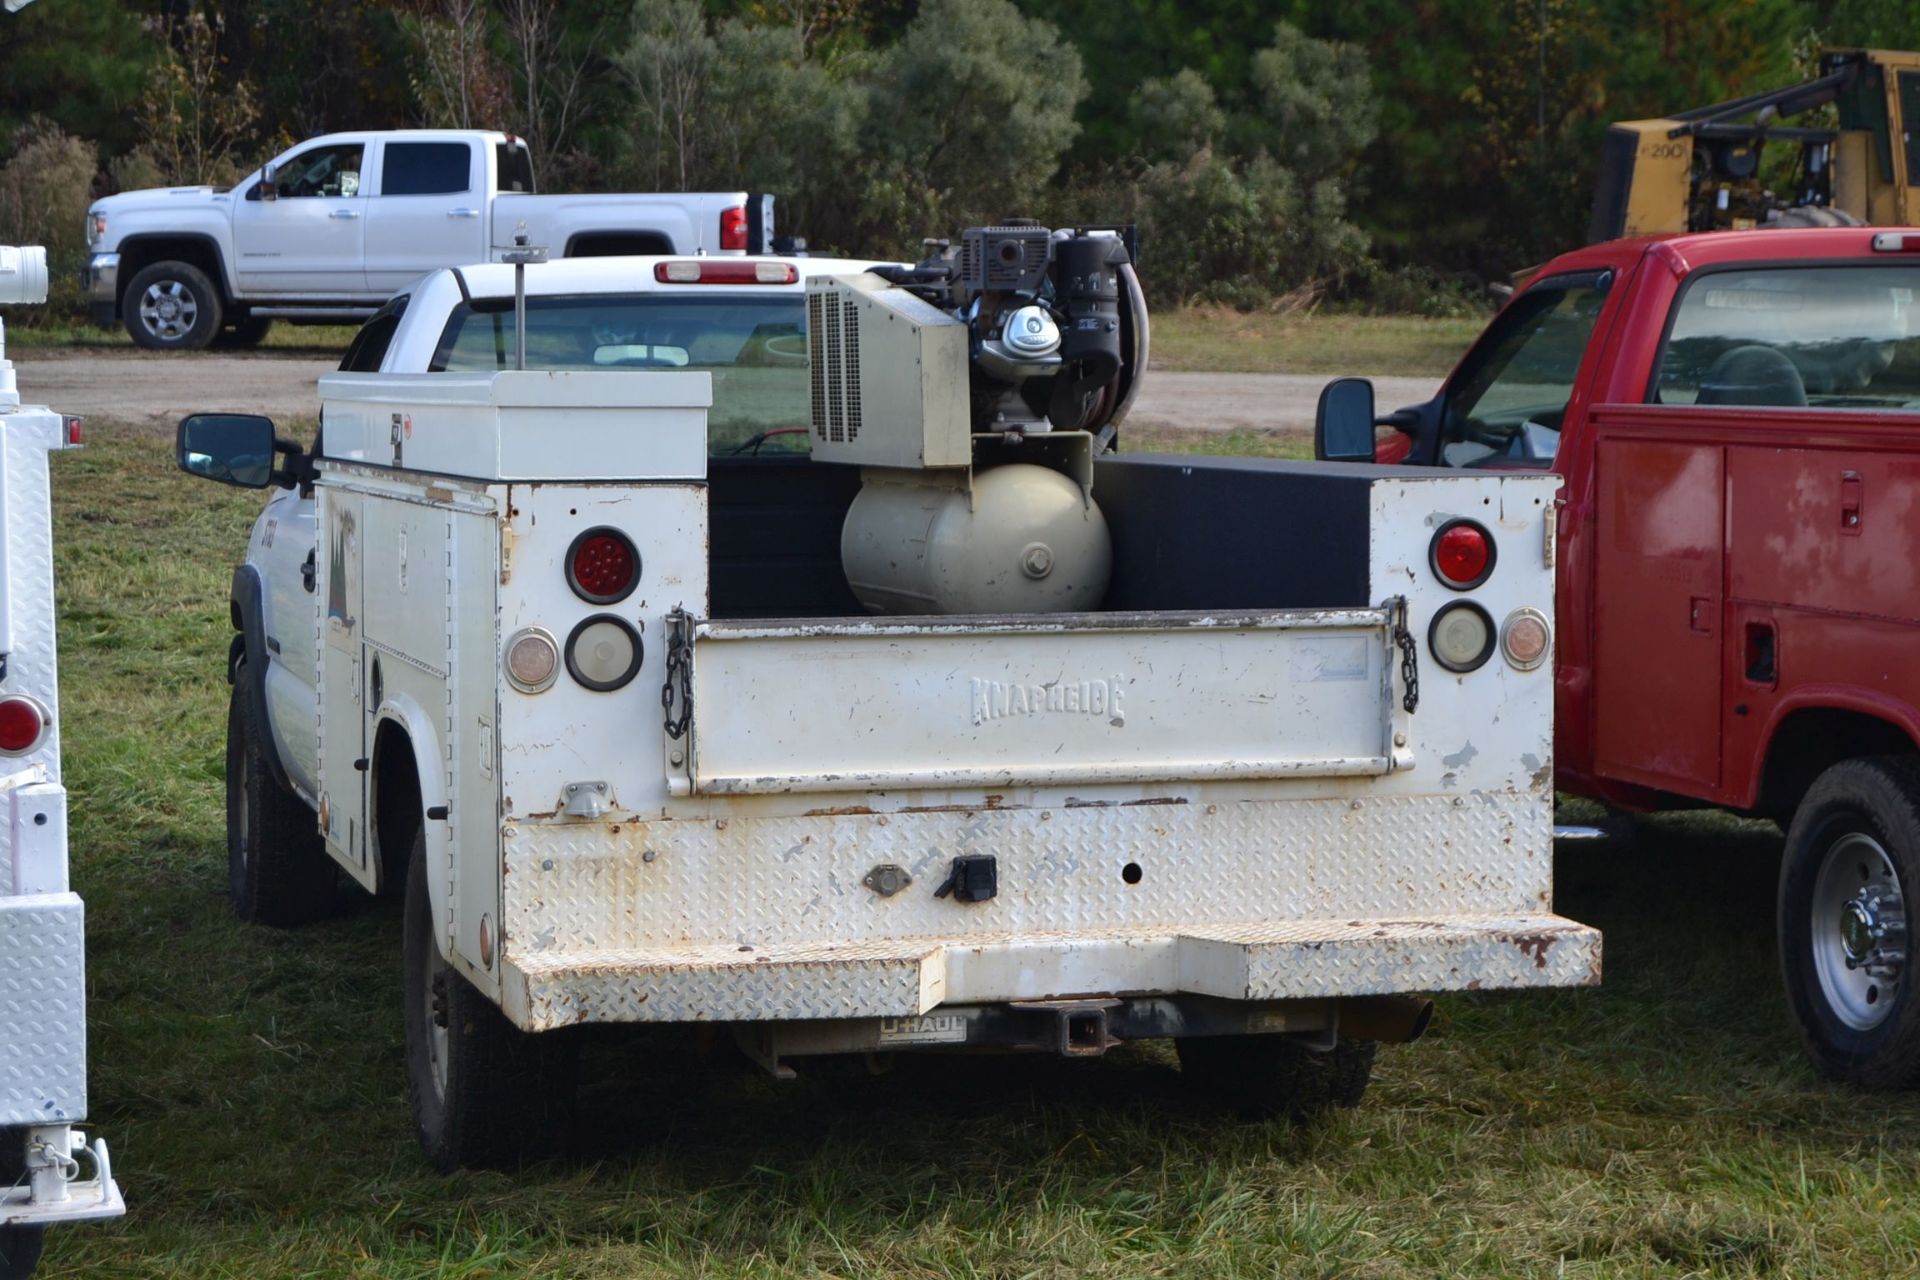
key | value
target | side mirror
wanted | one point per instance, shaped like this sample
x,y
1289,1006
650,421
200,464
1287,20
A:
x,y
232,448
270,183
1343,423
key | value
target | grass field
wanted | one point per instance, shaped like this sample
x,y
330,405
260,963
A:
x,y
281,338
250,1081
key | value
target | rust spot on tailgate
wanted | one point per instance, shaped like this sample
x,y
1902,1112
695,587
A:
x,y
1536,945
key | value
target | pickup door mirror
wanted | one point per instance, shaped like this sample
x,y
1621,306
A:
x,y
269,178
232,448
1343,423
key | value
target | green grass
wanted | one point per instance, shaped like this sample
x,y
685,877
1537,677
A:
x,y
320,339
250,1081
1209,340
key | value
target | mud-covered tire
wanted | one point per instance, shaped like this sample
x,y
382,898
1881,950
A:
x,y
278,871
244,334
172,306
485,1093
1811,215
1275,1075
1852,864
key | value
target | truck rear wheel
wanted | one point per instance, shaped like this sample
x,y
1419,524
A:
x,y
1276,1075
278,871
171,306
485,1093
1851,866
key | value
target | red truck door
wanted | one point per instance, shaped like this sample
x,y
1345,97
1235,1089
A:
x,y
1658,572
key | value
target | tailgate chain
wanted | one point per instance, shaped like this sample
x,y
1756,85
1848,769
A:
x,y
679,675
1409,656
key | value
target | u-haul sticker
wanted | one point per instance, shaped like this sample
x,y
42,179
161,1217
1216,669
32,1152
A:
x,y
932,1028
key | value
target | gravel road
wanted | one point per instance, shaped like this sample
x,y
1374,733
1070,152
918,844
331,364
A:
x,y
138,386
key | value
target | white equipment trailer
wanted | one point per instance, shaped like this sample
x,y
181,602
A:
x,y
908,744
43,1012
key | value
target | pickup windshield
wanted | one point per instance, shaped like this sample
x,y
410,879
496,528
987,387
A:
x,y
754,345
1506,404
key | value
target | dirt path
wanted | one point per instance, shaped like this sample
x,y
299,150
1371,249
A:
x,y
157,389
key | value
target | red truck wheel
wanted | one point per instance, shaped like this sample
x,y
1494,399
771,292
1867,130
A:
x,y
1852,862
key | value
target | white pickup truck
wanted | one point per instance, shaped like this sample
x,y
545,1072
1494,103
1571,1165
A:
x,y
785,651
333,227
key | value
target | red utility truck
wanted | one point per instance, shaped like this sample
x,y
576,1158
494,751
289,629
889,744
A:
x,y
1737,419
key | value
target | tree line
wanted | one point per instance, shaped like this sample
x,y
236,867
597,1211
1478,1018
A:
x,y
1387,153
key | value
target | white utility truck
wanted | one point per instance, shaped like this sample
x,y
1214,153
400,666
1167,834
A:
x,y
954,730
333,227
43,1005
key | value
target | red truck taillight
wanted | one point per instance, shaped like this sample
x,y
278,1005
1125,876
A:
x,y
1461,555
23,724
733,227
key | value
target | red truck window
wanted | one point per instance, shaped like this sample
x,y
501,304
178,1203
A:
x,y
1793,337
1507,402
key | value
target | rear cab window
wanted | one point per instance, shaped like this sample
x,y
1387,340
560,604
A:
x,y
426,168
1827,337
754,345
515,167
1506,404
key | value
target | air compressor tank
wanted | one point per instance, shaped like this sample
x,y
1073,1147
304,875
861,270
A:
x,y
1027,540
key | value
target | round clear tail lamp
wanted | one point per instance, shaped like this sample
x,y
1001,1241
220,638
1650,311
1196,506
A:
x,y
1461,637
24,723
532,660
603,653
1525,639
1461,554
602,566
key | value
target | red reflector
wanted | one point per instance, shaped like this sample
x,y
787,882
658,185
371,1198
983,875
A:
x,y
1462,554
602,566
733,227
22,725
725,271
74,434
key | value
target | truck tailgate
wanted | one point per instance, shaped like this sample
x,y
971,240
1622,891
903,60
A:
x,y
900,704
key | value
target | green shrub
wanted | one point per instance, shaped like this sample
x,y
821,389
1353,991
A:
x,y
45,189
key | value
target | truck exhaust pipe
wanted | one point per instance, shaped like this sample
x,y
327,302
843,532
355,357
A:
x,y
1388,1019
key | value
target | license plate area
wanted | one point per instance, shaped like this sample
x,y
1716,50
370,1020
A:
x,y
911,704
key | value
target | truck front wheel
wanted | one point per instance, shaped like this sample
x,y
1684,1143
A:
x,y
1276,1075
485,1093
278,871
171,306
1851,866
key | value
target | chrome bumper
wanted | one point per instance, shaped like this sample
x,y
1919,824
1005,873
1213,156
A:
x,y
101,279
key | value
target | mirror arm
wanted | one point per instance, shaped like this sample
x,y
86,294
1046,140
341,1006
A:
x,y
299,467
1400,419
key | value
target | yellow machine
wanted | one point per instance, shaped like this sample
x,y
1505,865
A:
x,y
1700,170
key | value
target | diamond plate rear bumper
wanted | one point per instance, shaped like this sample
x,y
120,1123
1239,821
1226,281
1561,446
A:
x,y
43,990
1293,960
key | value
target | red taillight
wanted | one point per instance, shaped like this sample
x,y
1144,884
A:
x,y
1461,554
733,228
724,271
1896,242
23,725
602,566
74,433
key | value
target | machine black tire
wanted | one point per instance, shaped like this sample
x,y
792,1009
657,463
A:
x,y
20,1249
172,306
1862,818
499,1094
1275,1075
245,333
278,871
1812,215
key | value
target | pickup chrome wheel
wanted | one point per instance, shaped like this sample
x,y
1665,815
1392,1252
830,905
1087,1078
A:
x,y
1852,858
278,871
485,1093
172,306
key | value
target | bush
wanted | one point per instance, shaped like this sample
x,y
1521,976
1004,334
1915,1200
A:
x,y
44,193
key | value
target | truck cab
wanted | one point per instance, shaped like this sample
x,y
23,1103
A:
x,y
1737,420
